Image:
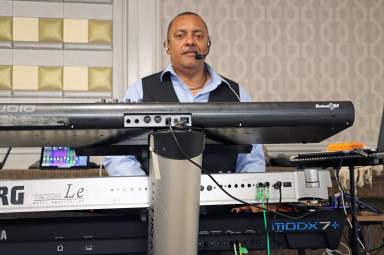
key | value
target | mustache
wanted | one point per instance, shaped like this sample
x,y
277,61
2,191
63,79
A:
x,y
189,50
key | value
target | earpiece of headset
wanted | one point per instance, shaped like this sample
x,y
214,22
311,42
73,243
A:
x,y
166,48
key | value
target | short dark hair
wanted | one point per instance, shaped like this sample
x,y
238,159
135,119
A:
x,y
183,14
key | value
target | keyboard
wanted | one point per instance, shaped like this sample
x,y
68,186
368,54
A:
x,y
337,158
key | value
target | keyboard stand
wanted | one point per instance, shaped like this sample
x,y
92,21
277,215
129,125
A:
x,y
175,191
354,234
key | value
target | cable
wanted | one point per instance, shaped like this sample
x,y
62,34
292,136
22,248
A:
x,y
234,248
278,186
364,205
242,249
265,218
331,252
262,194
240,253
346,246
344,209
336,173
101,169
234,92
374,249
346,239
230,195
343,201
2,163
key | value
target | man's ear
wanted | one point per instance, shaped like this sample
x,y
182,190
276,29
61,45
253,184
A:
x,y
165,45
209,43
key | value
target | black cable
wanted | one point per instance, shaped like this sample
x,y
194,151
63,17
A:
x,y
364,205
271,221
280,195
345,194
233,197
267,240
274,217
2,163
337,175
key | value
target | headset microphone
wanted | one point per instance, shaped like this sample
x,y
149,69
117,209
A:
x,y
199,56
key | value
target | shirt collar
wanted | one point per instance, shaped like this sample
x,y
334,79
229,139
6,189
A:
x,y
215,77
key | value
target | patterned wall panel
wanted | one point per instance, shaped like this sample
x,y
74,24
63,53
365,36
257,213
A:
x,y
50,30
25,29
56,48
6,28
76,30
50,78
292,50
5,77
55,78
75,78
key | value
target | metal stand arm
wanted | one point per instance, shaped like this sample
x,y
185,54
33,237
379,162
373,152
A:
x,y
354,234
174,214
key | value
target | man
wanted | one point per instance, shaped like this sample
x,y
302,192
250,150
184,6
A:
x,y
189,79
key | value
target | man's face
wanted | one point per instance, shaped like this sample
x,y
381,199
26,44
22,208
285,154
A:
x,y
187,36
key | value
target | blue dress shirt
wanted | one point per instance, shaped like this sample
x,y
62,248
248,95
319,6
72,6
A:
x,y
130,166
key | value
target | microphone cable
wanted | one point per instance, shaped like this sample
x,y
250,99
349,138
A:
x,y
234,92
200,56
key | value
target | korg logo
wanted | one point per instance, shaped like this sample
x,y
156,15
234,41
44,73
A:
x,y
13,196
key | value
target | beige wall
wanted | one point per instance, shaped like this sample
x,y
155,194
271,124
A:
x,y
289,50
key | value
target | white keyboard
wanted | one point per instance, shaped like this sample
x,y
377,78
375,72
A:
x,y
133,192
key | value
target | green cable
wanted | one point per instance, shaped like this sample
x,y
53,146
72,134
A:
x,y
265,220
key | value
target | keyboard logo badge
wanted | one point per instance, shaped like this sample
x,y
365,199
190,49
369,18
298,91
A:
x,y
3,235
331,106
12,195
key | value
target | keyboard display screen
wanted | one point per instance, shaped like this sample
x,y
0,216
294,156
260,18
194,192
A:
x,y
62,157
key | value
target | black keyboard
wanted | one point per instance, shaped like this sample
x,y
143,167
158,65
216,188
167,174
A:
x,y
337,158
116,233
